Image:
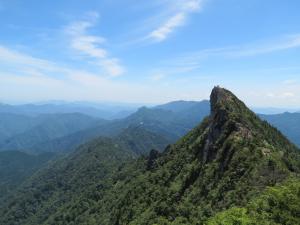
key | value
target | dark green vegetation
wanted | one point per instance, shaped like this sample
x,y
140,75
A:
x,y
15,167
66,179
287,123
278,205
141,141
232,164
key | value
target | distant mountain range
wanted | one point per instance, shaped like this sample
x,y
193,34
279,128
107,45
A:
x,y
21,132
35,129
287,123
272,110
93,110
64,132
231,168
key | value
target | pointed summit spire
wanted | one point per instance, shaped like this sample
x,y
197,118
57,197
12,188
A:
x,y
223,100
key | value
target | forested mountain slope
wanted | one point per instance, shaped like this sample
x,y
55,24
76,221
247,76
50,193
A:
x,y
67,178
15,167
227,161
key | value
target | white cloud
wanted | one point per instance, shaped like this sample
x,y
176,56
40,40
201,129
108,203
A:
x,y
192,5
180,10
86,44
113,66
285,43
264,47
8,55
162,32
195,60
89,46
27,78
46,80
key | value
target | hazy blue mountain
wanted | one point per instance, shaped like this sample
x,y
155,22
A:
x,y
16,166
182,106
50,133
94,110
168,124
122,114
273,110
32,132
13,124
171,121
287,123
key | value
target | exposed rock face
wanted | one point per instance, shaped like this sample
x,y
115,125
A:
x,y
222,106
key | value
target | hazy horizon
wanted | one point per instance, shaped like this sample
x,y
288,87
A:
x,y
135,105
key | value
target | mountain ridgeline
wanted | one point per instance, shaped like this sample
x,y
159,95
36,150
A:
x,y
63,132
218,173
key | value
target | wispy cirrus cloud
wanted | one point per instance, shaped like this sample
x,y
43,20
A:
x,y
163,32
191,62
178,12
269,46
194,60
34,78
31,78
91,46
11,56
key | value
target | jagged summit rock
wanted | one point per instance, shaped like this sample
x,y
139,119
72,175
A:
x,y
222,99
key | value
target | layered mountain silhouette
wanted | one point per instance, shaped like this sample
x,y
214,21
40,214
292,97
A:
x,y
225,163
30,133
287,123
62,133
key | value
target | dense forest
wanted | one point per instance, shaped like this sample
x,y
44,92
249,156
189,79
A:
x,y
233,168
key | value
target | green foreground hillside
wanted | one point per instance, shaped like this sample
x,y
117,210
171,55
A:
x,y
231,169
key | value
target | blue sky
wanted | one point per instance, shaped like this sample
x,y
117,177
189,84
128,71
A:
x,y
150,51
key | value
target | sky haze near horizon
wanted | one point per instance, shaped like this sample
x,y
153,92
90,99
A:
x,y
150,52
